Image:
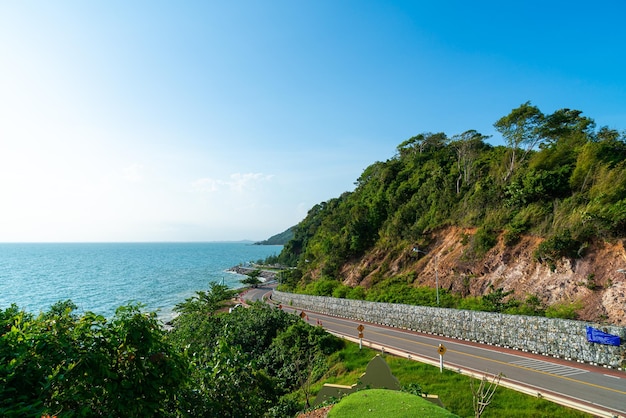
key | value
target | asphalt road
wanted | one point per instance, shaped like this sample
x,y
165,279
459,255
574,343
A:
x,y
259,293
596,390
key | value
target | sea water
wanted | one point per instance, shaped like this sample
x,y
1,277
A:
x,y
99,277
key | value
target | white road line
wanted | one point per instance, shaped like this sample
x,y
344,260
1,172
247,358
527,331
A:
x,y
549,367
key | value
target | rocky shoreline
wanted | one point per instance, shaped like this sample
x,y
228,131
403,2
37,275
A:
x,y
266,275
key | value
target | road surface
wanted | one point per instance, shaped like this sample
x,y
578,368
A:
x,y
596,390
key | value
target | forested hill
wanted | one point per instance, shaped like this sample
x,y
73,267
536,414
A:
x,y
279,239
478,217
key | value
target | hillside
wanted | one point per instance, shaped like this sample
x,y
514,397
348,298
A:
x,y
278,239
536,226
592,282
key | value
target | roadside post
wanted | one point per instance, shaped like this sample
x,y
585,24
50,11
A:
x,y
441,350
360,328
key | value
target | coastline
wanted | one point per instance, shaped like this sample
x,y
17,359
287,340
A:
x,y
267,275
100,277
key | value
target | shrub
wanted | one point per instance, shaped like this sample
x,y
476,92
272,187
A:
x,y
494,301
531,307
87,365
324,287
357,292
564,310
341,291
483,241
287,406
557,246
513,232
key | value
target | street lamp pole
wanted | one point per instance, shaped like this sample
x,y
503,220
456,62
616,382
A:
x,y
437,277
417,250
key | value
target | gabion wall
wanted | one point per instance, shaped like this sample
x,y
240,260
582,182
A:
x,y
549,336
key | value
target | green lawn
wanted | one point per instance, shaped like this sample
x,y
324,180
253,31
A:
x,y
453,389
377,403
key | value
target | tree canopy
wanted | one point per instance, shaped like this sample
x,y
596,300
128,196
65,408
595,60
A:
x,y
252,279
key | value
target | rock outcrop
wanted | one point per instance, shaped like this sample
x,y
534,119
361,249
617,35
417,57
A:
x,y
265,274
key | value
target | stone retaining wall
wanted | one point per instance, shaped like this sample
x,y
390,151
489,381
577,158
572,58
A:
x,y
549,336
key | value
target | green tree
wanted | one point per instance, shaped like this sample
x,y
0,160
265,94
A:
x,y
565,123
224,350
252,278
224,382
495,300
297,356
521,130
206,302
466,147
255,328
64,364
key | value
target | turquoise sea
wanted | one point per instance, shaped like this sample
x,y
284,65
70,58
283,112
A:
x,y
100,277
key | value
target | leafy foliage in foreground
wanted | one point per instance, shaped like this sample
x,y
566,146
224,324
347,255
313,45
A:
x,y
212,364
256,362
60,363
557,177
244,362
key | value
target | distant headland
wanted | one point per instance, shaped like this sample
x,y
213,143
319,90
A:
x,y
279,239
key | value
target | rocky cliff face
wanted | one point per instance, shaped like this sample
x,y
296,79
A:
x,y
593,280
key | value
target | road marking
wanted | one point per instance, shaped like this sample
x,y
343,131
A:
x,y
556,369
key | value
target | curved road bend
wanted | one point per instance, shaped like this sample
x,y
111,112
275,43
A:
x,y
261,292
595,390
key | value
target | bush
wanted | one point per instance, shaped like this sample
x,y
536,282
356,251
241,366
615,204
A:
x,y
564,310
357,292
471,303
556,247
494,301
530,307
287,406
514,231
341,291
484,239
87,365
323,287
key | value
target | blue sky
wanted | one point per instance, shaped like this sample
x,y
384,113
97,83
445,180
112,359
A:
x,y
229,120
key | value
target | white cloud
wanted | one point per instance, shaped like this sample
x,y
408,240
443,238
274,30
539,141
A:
x,y
237,182
206,185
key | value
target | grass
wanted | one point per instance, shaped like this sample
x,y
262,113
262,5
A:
x,y
453,389
388,404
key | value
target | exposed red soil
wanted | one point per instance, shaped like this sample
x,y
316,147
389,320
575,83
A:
x,y
592,280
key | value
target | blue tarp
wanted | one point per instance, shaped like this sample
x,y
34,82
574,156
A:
x,y
600,337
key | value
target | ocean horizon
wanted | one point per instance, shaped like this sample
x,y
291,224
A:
x,y
101,276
